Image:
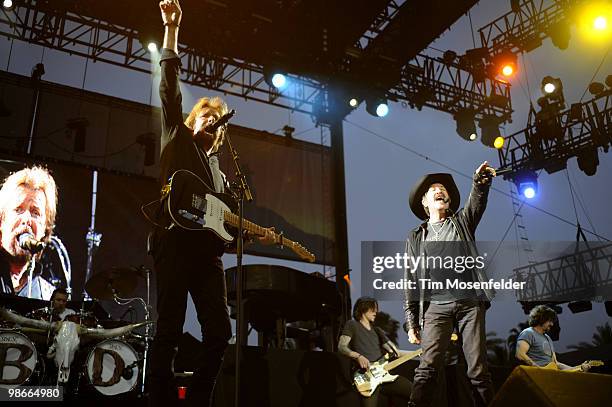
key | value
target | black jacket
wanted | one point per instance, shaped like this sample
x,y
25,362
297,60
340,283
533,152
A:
x,y
179,151
465,221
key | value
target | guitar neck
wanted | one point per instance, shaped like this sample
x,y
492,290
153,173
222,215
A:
x,y
402,359
257,230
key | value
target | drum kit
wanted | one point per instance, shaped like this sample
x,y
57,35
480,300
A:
x,y
113,363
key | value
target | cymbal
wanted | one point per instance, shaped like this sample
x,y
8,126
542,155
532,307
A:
x,y
121,281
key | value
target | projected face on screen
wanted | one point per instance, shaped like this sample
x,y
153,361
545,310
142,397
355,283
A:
x,y
28,202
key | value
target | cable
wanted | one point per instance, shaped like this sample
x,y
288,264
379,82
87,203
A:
x,y
582,206
65,150
572,195
472,28
559,218
596,72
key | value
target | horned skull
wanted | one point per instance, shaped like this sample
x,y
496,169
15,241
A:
x,y
67,338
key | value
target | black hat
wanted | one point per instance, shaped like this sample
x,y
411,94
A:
x,y
420,188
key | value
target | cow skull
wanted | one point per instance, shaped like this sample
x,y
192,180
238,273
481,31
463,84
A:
x,y
67,338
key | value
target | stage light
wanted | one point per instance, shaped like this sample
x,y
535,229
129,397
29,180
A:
x,y
594,20
489,130
275,77
382,110
353,102
560,34
466,127
279,80
588,160
449,57
600,23
552,89
549,87
527,184
8,4
152,46
505,64
377,107
580,306
596,88
499,142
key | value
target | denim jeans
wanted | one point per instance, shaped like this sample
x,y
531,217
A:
x,y
439,322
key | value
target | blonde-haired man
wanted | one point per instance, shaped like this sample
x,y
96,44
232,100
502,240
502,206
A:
x,y
28,205
187,261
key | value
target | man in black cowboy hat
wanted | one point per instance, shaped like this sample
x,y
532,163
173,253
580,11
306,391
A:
x,y
435,199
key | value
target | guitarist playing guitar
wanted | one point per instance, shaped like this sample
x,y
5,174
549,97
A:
x,y
187,261
365,344
534,347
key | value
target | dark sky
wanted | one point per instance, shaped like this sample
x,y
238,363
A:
x,y
379,173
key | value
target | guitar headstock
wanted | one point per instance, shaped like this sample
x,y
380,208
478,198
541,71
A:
x,y
302,252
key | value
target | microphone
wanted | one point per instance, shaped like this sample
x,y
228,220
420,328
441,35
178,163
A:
x,y
502,171
223,120
28,242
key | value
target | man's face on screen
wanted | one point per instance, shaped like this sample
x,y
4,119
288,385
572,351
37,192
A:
x,y
24,213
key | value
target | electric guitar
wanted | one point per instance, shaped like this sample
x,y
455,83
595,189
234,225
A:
x,y
367,380
591,363
192,205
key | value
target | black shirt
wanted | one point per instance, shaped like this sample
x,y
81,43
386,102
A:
x,y
365,342
178,150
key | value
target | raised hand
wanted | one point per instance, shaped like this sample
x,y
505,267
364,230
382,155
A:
x,y
171,12
485,169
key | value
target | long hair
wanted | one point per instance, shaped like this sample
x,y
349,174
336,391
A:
x,y
541,314
363,305
215,103
36,178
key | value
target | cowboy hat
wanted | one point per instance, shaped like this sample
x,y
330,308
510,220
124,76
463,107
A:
x,y
422,186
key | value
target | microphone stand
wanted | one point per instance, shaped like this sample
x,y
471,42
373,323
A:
x,y
92,238
244,193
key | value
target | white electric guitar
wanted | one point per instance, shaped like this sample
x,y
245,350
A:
x,y
367,380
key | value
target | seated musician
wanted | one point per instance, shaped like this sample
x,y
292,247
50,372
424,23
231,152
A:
x,y
59,298
364,343
534,347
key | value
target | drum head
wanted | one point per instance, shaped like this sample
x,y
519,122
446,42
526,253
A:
x,y
19,359
112,367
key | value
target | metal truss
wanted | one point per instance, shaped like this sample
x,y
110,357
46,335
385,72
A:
x,y
585,125
424,82
105,42
524,29
428,81
584,275
380,23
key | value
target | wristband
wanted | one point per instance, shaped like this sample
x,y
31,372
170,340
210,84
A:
x,y
171,25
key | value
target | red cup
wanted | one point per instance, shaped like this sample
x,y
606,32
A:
x,y
182,391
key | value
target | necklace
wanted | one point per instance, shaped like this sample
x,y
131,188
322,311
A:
x,y
436,236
